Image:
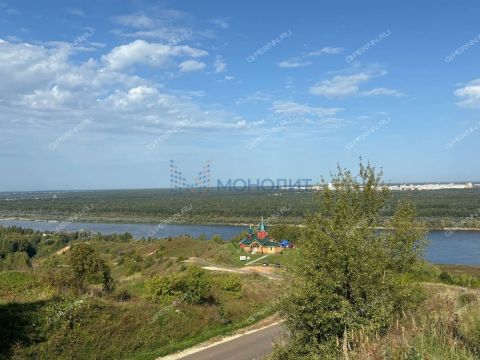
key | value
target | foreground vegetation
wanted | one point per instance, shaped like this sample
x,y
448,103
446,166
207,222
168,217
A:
x,y
58,300
38,320
438,209
360,296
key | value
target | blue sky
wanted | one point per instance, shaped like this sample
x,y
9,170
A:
x,y
103,94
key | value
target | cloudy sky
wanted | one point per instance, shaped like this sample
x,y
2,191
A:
x,y
103,94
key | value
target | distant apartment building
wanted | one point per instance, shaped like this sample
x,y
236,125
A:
x,y
467,185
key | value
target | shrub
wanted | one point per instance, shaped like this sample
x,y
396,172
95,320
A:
x,y
15,261
217,239
132,267
84,266
192,285
445,277
122,295
148,263
230,283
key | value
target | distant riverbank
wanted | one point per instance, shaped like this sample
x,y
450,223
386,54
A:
x,y
460,247
146,221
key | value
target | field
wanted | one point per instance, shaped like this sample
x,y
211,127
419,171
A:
x,y
440,208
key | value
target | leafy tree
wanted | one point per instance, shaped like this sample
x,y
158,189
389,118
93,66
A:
x,y
351,275
87,266
289,232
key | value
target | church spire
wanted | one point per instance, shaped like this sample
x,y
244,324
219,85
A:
x,y
262,225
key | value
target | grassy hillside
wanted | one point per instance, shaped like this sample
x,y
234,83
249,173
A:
x,y
39,319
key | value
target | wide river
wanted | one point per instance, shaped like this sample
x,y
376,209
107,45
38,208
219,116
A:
x,y
460,247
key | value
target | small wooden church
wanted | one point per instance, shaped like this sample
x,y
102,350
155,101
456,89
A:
x,y
259,242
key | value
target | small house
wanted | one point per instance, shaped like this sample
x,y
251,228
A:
x,y
258,241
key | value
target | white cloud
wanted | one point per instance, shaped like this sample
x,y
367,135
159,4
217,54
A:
x,y
291,108
326,51
292,63
76,12
24,67
342,86
381,91
163,25
219,65
141,52
191,66
47,99
137,20
257,96
221,23
228,77
43,88
470,94
302,60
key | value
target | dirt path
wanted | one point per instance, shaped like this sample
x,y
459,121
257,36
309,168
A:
x,y
63,250
261,270
268,272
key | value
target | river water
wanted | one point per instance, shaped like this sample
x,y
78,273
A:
x,y
460,247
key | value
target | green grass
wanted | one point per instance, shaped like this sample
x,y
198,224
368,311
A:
x,y
445,327
39,321
22,286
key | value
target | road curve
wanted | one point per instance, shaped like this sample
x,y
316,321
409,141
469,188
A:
x,y
252,346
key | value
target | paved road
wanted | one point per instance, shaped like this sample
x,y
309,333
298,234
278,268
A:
x,y
253,346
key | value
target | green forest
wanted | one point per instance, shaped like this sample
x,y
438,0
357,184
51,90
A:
x,y
439,208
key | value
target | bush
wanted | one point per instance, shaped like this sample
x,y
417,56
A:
x,y
148,263
15,261
131,267
192,285
122,295
445,277
217,239
83,266
230,283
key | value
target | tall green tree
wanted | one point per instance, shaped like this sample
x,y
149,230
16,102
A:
x,y
350,275
87,266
